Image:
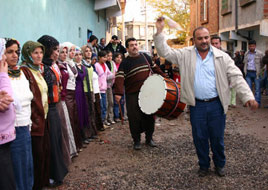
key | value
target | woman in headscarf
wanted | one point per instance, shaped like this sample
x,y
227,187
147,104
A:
x,y
21,147
32,55
58,169
70,95
7,128
88,89
80,95
64,79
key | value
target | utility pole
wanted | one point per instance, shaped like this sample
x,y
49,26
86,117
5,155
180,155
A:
x,y
146,26
123,5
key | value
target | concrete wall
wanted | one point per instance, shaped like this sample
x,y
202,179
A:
x,y
246,15
29,19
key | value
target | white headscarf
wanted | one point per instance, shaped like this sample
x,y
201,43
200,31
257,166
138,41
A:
x,y
2,47
69,45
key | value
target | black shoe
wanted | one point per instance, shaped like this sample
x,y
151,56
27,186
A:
x,y
202,172
220,171
151,143
137,146
55,184
102,129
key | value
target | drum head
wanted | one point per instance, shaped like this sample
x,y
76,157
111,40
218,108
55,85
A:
x,y
152,94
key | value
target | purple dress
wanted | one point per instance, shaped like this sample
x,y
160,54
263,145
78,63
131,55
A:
x,y
81,98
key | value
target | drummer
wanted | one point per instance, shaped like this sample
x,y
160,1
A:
x,y
133,71
205,75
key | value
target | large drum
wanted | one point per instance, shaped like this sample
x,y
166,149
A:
x,y
160,96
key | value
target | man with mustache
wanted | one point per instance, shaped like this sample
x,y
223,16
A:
x,y
205,76
132,72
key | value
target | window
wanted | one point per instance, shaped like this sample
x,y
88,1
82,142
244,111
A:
x,y
244,3
226,7
204,11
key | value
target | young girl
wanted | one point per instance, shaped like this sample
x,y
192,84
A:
x,y
104,74
109,93
118,59
96,90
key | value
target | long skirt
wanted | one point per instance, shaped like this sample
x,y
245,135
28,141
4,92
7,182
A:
x,y
41,159
7,178
22,159
98,119
58,169
91,115
72,110
72,145
65,135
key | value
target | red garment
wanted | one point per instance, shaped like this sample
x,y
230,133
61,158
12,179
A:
x,y
117,65
64,79
177,78
103,66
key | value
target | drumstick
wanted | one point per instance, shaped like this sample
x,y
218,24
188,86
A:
x,y
121,113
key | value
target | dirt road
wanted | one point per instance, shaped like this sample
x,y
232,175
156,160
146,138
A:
x,y
110,163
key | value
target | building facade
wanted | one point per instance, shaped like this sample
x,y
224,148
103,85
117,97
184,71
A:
x,y
66,20
204,13
136,29
243,20
235,21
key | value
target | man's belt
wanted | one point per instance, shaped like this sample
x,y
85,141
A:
x,y
208,99
251,71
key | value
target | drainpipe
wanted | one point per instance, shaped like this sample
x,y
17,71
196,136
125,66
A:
x,y
236,22
196,15
236,15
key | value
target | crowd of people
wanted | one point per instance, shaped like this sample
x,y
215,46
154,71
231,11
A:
x,y
55,98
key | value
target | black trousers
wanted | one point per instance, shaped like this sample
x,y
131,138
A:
x,y
139,122
7,178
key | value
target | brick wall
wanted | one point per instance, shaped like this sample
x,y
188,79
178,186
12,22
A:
x,y
265,9
212,22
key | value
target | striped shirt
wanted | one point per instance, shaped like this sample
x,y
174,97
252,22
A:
x,y
132,72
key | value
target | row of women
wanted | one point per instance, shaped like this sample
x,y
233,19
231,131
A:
x,y
59,106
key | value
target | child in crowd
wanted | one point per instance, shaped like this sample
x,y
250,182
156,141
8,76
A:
x,y
109,93
118,59
104,74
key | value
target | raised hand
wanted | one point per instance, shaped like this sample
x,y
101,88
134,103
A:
x,y
160,24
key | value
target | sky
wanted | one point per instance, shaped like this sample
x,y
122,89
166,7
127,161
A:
x,y
134,11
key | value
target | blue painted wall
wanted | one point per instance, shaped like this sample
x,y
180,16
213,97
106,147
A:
x,y
30,19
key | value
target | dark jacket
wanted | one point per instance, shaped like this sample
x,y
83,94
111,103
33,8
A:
x,y
119,48
38,113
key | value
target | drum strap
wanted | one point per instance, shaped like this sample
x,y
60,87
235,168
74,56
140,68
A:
x,y
151,71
